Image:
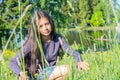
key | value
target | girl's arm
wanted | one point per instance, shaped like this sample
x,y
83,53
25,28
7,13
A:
x,y
15,62
82,65
67,48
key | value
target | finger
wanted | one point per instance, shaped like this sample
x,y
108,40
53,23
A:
x,y
20,78
80,67
86,63
83,67
86,68
23,78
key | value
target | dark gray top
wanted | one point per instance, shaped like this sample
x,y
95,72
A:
x,y
51,51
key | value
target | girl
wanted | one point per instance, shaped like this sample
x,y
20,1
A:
x,y
41,49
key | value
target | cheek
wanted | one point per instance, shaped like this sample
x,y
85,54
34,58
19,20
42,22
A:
x,y
50,28
40,30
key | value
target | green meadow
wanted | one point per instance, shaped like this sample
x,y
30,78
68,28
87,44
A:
x,y
104,65
91,27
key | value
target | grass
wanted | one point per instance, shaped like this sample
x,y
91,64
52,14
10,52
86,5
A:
x,y
103,66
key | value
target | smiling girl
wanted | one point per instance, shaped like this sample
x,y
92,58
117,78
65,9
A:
x,y
42,31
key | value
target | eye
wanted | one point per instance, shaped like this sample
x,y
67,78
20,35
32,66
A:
x,y
41,26
47,23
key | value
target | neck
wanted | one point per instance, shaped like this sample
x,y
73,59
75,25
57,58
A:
x,y
46,38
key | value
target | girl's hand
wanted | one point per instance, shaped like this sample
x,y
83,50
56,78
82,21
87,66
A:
x,y
83,65
22,76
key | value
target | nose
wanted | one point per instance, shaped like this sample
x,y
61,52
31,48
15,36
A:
x,y
45,27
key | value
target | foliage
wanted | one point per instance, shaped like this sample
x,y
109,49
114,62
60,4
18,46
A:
x,y
9,54
71,13
10,13
64,12
97,19
102,65
104,9
5,72
84,13
78,11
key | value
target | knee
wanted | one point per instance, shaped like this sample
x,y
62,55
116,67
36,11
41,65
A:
x,y
65,69
60,71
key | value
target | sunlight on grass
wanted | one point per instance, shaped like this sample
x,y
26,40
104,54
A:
x,y
102,56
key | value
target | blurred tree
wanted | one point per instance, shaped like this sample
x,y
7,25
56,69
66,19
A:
x,y
97,19
84,13
102,12
66,13
10,12
77,11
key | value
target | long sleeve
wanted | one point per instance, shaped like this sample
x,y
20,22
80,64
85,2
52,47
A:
x,y
15,62
67,48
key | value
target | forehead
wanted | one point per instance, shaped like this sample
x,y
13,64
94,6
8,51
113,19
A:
x,y
43,20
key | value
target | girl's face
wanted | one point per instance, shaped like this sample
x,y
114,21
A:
x,y
45,27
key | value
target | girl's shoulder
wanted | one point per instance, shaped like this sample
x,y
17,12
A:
x,y
57,36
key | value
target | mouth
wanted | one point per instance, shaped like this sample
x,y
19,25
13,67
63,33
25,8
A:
x,y
46,32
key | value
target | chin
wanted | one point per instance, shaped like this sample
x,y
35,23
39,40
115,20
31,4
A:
x,y
46,35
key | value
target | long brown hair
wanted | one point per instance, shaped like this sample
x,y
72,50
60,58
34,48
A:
x,y
33,32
